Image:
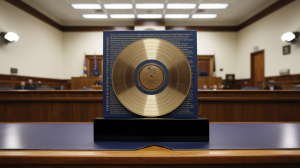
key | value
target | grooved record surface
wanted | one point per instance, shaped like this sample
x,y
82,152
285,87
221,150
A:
x,y
80,137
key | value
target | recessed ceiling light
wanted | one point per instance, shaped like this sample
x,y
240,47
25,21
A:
x,y
95,16
177,16
181,6
204,16
149,6
86,6
213,6
149,16
122,16
118,6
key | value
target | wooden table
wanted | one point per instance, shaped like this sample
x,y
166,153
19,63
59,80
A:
x,y
151,157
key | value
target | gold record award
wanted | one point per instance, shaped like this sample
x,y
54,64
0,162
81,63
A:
x,y
151,77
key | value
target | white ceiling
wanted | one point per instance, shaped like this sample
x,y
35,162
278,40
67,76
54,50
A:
x,y
237,12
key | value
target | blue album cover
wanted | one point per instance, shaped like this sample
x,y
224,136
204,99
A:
x,y
115,41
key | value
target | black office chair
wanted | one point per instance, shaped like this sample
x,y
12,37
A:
x,y
250,88
203,73
6,88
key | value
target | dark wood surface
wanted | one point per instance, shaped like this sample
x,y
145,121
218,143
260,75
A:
x,y
249,106
84,106
80,82
14,80
209,82
151,157
50,106
286,82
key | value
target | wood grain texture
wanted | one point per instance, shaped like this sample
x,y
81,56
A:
x,y
80,82
249,106
150,156
84,106
50,106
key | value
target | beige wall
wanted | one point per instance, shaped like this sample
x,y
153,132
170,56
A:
x,y
266,34
223,46
39,49
47,52
76,45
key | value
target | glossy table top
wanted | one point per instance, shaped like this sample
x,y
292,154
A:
x,y
79,136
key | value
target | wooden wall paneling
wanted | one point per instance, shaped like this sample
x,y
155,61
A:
x,y
84,106
81,82
286,82
50,106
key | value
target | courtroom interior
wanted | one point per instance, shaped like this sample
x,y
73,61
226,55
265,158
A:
x,y
248,64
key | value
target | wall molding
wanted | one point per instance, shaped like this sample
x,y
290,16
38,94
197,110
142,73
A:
x,y
274,7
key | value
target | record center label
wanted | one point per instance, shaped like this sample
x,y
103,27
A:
x,y
151,77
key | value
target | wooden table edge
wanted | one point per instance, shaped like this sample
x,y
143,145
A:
x,y
152,155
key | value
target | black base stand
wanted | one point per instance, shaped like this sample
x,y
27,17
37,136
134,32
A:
x,y
151,129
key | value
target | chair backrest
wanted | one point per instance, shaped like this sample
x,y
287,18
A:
x,y
6,88
86,89
296,88
44,88
203,73
250,88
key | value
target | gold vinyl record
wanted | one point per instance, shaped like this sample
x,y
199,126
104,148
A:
x,y
151,77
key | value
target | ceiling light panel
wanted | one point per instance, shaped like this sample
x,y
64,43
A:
x,y
86,6
118,6
213,6
204,16
177,16
122,16
95,16
149,6
149,16
181,6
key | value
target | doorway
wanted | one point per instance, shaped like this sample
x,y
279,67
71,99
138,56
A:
x,y
258,69
205,63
